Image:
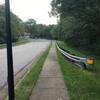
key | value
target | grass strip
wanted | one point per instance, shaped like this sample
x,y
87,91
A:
x,y
24,89
15,43
70,49
73,51
81,84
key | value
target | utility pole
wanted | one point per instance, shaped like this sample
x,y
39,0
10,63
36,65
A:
x,y
9,51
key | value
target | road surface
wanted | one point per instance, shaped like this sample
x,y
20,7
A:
x,y
22,55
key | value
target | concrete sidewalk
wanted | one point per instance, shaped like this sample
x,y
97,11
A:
x,y
50,85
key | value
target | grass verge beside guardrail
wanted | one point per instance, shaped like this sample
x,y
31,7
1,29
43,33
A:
x,y
81,84
70,49
15,43
96,66
24,89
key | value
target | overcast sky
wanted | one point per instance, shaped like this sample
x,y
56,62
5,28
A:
x,y
36,9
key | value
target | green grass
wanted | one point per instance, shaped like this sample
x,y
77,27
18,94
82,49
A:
x,y
21,42
70,49
2,46
81,84
24,90
76,52
15,43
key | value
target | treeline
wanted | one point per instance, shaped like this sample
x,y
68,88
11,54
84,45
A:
x,y
79,22
22,29
16,23
40,30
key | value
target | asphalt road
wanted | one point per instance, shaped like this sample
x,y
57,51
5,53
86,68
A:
x,y
22,55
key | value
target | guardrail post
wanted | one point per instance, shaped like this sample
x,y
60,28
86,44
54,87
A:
x,y
84,66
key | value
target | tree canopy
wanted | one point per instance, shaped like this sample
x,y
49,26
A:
x,y
79,22
16,23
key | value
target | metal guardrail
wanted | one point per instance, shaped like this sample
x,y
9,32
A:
x,y
81,60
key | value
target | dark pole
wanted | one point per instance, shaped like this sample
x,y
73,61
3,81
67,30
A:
x,y
9,51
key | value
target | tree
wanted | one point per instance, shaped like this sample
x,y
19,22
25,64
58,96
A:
x,y
16,23
30,27
80,21
2,21
18,28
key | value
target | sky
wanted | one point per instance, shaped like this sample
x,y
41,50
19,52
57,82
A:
x,y
36,9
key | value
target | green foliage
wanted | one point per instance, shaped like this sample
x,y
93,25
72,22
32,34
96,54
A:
x,y
81,84
80,22
17,27
16,23
40,30
82,53
26,85
30,27
20,42
55,32
2,20
44,31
